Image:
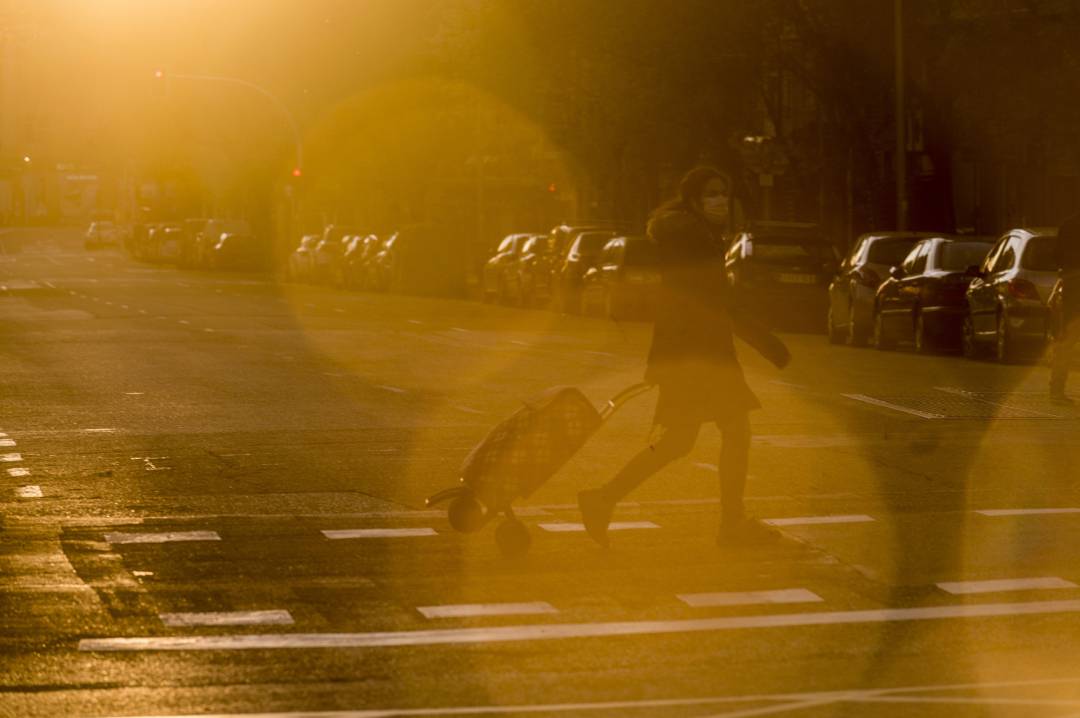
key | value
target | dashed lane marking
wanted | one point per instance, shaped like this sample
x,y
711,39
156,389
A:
x,y
98,431
812,520
10,458
1027,512
470,610
747,598
7,442
895,407
28,492
18,472
229,618
1005,585
613,526
184,322
415,321
165,537
377,533
547,632
468,409
393,389
707,466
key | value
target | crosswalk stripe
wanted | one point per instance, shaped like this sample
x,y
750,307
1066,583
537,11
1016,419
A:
x,y
377,533
10,458
166,537
228,618
29,492
746,598
469,610
812,520
1005,584
613,526
545,632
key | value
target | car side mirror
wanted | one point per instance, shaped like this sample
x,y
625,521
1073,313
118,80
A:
x,y
896,272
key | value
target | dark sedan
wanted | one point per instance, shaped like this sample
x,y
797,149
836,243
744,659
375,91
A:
x,y
582,255
852,291
923,299
1007,300
782,272
625,280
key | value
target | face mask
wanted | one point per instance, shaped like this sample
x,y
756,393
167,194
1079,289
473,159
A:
x,y
715,208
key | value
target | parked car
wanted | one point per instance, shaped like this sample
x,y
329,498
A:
x,y
210,235
852,291
362,266
1007,302
165,242
236,251
301,262
534,271
923,299
189,241
500,277
421,259
100,235
625,281
582,255
352,261
329,253
782,271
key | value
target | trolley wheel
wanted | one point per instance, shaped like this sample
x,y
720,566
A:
x,y
512,538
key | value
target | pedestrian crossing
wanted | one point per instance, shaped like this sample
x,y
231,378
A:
x,y
239,584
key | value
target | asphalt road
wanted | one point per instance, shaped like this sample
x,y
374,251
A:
x,y
197,472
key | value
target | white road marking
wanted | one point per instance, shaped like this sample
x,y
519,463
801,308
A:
x,y
459,329
165,537
547,632
415,321
229,618
785,700
613,526
707,466
18,472
184,321
71,292
98,431
29,492
467,409
124,306
133,393
143,311
895,407
812,520
377,533
339,310
1027,512
142,574
10,458
599,354
1005,584
394,389
207,329
468,610
747,598
3,433
7,442
520,343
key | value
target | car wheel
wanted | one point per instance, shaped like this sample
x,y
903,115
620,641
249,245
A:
x,y
835,335
1004,344
882,339
923,343
856,335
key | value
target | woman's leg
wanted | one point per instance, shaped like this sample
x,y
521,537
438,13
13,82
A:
x,y
597,505
734,464
676,442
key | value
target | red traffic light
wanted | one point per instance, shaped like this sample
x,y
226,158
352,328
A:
x,y
552,188
296,172
159,74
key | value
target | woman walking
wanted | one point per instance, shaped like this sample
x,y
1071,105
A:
x,y
692,359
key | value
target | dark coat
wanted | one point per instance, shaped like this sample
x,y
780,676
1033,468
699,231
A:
x,y
1069,264
692,357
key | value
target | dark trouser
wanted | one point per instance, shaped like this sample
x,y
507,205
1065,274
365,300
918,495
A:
x,y
676,442
1062,355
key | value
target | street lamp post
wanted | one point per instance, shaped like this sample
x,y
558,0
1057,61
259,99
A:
x,y
297,171
900,161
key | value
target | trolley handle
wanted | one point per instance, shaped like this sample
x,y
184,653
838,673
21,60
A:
x,y
616,402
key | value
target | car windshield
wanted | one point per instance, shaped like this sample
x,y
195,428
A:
x,y
593,242
958,256
789,249
890,252
640,253
1041,255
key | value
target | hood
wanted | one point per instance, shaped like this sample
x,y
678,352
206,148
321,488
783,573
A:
x,y
674,222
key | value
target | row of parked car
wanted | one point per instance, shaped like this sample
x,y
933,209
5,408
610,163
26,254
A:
x,y
417,258
190,243
998,296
